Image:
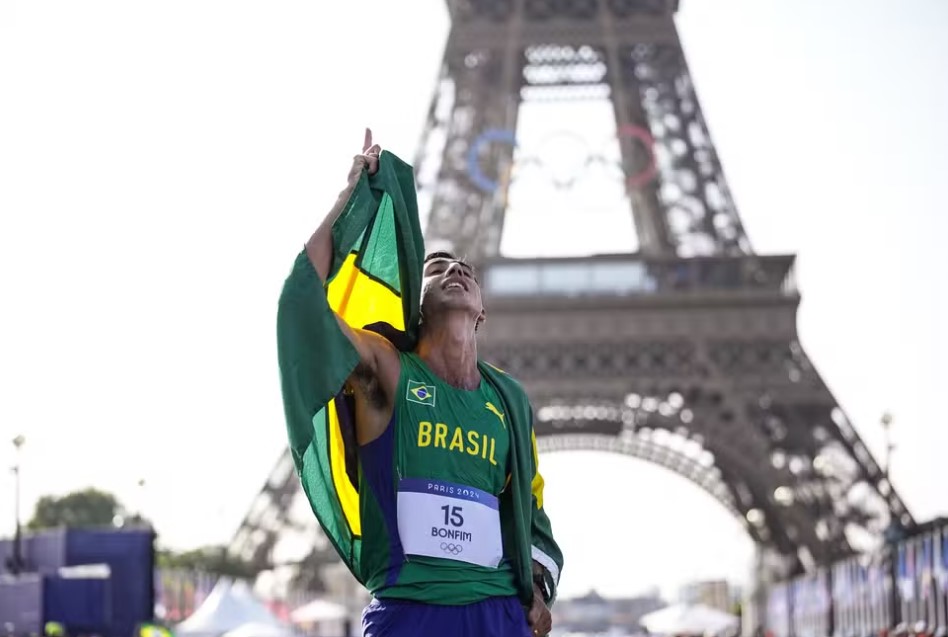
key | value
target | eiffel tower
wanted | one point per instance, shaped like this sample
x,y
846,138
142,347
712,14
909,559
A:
x,y
684,353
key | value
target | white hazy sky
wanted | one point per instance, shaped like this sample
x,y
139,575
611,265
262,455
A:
x,y
162,163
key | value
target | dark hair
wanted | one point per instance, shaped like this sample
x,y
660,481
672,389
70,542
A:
x,y
440,254
443,254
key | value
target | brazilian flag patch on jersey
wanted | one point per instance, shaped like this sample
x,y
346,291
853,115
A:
x,y
420,393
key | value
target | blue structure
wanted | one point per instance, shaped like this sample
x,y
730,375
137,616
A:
x,y
110,597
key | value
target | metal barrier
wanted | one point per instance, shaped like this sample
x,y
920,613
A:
x,y
862,597
901,589
810,606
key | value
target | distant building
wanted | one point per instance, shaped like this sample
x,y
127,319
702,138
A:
x,y
594,613
714,593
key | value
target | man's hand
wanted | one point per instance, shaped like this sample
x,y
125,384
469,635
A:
x,y
539,618
368,160
319,246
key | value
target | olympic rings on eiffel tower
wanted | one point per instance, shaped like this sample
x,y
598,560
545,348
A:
x,y
501,136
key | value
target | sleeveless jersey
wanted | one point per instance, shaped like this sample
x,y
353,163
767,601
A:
x,y
433,474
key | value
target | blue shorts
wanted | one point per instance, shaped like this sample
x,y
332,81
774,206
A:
x,y
495,616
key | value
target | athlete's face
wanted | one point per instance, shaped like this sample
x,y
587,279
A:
x,y
450,284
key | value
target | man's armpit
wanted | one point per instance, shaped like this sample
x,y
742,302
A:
x,y
365,381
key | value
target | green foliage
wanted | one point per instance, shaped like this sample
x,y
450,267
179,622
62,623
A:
x,y
210,559
89,508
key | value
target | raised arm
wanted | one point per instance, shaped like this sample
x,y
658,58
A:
x,y
319,246
303,335
319,249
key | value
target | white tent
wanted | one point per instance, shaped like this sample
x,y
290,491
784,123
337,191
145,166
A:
x,y
319,610
688,619
259,630
229,606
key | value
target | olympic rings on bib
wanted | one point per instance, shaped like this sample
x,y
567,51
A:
x,y
453,549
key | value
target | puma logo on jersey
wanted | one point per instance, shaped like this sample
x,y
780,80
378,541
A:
x,y
496,412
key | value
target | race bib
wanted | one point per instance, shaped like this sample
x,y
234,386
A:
x,y
451,521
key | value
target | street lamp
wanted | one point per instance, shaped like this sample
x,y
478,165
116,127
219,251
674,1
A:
x,y
896,530
886,422
141,499
16,565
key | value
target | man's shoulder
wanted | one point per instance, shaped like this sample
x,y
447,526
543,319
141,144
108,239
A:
x,y
502,376
496,369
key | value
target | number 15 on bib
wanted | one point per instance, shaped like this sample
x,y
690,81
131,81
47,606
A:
x,y
450,521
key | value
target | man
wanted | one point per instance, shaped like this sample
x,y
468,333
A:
x,y
436,505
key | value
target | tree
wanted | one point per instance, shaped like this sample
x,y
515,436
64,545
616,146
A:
x,y
210,559
89,508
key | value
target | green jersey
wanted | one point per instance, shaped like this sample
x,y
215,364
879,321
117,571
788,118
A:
x,y
429,489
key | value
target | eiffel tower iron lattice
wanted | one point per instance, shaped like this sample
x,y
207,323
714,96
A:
x,y
684,354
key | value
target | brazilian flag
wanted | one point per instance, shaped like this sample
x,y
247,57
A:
x,y
374,283
420,393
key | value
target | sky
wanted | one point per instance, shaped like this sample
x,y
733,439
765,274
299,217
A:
x,y
161,165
